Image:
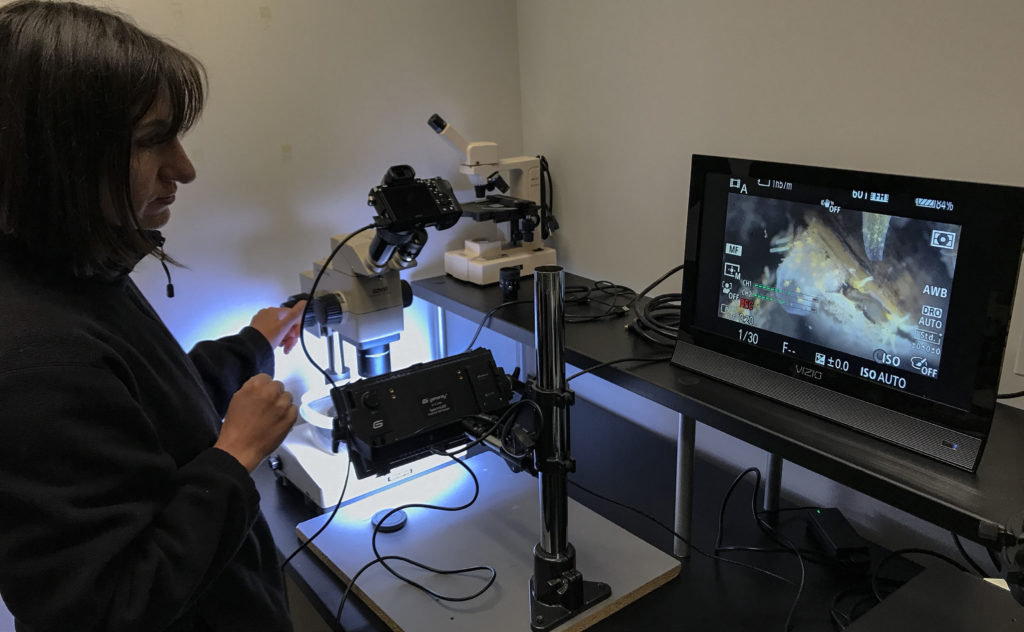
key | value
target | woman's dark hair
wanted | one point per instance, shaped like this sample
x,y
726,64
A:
x,y
74,81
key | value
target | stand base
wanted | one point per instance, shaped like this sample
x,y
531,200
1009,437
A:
x,y
481,261
499,530
544,617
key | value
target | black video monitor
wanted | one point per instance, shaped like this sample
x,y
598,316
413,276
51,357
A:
x,y
880,302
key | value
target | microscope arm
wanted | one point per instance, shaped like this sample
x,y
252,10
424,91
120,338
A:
x,y
486,171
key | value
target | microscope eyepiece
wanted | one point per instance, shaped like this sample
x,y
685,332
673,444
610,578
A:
x,y
399,174
437,123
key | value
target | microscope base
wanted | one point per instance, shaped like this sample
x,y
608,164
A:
x,y
481,260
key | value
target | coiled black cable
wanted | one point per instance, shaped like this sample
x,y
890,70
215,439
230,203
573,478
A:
x,y
383,559
312,296
658,319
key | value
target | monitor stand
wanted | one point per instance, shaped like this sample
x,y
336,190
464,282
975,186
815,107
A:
x,y
499,530
922,436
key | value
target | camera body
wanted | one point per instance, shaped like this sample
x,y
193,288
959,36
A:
x,y
406,206
404,202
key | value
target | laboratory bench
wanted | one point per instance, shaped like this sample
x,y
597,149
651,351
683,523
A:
x,y
625,462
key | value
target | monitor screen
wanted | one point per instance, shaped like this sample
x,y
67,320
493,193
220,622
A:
x,y
887,289
861,292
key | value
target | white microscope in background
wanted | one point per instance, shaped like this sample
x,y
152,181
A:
x,y
519,215
360,298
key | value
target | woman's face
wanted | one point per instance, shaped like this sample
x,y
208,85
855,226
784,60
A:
x,y
156,167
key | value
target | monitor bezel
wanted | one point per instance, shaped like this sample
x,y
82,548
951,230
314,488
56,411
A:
x,y
993,224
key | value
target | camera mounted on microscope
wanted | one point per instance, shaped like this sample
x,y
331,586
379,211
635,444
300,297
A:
x,y
406,206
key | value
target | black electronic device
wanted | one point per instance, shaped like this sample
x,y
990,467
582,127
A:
x,y
837,537
880,302
404,202
401,416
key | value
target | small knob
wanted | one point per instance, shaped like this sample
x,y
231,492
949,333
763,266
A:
x,y
407,294
370,400
329,309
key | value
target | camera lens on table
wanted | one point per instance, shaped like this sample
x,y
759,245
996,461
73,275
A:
x,y
508,281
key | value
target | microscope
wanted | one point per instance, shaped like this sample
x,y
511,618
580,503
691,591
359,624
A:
x,y
519,216
393,424
359,299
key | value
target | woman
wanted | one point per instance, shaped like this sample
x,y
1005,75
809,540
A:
x,y
125,502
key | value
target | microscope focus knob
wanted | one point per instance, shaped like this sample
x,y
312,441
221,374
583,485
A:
x,y
406,294
329,309
308,316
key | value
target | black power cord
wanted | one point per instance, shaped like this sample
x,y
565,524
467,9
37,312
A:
x,y
487,317
967,558
548,223
620,360
676,534
865,601
809,555
617,300
312,296
348,472
1010,395
871,593
768,530
506,422
383,559
658,320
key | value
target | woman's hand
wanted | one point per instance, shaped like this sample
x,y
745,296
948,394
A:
x,y
259,416
281,326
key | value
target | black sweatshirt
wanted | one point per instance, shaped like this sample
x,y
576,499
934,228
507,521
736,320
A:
x,y
116,513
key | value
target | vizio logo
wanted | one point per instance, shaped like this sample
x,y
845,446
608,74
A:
x,y
806,372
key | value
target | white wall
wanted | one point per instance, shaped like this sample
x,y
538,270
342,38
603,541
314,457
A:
x,y
310,102
618,96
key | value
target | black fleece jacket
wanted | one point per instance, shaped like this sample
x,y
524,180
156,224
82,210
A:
x,y
116,513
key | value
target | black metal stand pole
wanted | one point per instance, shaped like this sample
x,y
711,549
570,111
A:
x,y
557,590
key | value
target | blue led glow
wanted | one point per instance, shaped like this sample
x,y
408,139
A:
x,y
438,487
